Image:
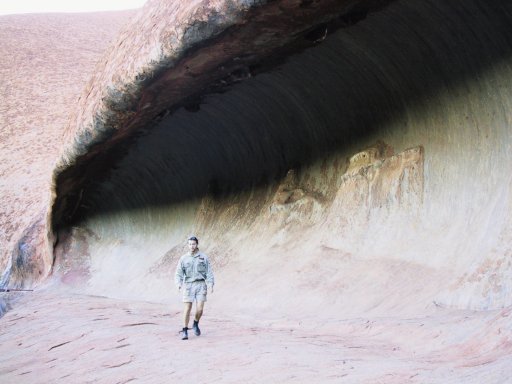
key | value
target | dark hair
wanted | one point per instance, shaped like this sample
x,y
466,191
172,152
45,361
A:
x,y
194,239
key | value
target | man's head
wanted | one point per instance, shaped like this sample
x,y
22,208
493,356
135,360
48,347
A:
x,y
192,243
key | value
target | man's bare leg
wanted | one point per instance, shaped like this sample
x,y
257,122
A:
x,y
186,314
199,310
199,313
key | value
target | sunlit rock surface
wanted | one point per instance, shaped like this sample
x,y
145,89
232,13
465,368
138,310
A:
x,y
393,132
45,62
346,167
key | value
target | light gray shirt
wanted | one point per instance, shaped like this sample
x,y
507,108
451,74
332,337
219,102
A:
x,y
192,268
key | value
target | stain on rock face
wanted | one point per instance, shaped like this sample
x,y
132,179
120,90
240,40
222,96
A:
x,y
28,258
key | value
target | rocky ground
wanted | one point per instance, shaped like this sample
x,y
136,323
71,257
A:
x,y
63,337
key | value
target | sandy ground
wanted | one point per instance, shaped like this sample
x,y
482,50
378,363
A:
x,y
63,337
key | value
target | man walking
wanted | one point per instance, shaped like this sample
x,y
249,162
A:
x,y
193,274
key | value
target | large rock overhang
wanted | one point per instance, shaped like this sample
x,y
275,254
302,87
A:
x,y
166,73
182,132
170,57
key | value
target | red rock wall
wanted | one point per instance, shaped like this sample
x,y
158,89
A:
x,y
45,61
373,164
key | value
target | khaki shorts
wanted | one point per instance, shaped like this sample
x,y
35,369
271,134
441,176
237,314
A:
x,y
194,291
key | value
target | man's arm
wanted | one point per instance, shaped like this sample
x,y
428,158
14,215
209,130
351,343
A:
x,y
210,280
178,275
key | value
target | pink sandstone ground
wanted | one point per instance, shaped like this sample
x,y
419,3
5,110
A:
x,y
57,337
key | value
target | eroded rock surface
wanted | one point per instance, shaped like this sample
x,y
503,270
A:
x,y
45,62
343,163
286,160
107,340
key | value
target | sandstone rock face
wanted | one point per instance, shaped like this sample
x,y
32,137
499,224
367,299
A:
x,y
45,62
379,146
388,152
337,160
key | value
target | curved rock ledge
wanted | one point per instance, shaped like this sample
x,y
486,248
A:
x,y
172,55
348,172
289,133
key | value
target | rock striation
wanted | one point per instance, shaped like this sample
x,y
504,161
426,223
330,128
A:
x,y
373,132
363,129
345,164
